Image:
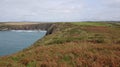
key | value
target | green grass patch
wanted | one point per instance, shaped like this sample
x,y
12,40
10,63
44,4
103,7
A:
x,y
92,23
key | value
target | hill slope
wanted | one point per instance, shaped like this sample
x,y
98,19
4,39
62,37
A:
x,y
71,45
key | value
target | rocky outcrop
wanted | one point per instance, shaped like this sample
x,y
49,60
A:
x,y
41,26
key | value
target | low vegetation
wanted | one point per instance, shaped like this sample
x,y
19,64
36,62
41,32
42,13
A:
x,y
72,45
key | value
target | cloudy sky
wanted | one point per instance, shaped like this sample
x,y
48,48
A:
x,y
59,10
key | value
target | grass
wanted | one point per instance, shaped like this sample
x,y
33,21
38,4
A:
x,y
93,23
19,23
71,45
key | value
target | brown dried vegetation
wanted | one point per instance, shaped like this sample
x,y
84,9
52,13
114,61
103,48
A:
x,y
71,46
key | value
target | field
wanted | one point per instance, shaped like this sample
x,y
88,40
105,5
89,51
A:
x,y
78,44
92,23
18,23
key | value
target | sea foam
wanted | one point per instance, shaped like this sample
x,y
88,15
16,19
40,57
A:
x,y
28,31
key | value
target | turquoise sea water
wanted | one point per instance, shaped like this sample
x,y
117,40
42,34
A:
x,y
14,41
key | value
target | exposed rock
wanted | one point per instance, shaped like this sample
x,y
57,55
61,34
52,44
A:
x,y
42,26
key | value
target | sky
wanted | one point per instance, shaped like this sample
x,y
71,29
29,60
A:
x,y
59,10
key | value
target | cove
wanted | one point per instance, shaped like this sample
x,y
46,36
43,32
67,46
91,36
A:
x,y
17,40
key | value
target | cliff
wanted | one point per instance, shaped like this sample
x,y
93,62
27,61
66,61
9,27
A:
x,y
70,45
40,26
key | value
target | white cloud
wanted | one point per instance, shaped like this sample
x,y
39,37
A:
x,y
59,10
111,3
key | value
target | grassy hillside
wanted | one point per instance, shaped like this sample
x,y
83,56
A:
x,y
93,23
72,45
18,23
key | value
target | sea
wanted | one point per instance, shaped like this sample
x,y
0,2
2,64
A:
x,y
14,41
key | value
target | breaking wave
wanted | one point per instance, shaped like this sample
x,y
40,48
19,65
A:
x,y
28,31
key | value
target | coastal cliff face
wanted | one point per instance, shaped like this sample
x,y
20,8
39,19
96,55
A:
x,y
70,45
40,26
